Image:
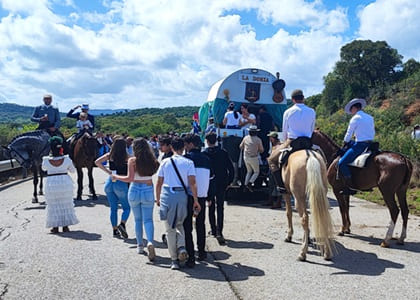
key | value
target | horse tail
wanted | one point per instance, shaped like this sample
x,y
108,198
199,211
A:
x,y
316,189
408,172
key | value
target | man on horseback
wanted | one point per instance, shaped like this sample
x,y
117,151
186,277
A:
x,y
298,121
48,117
363,128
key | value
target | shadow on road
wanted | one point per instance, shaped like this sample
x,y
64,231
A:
x,y
102,200
408,246
81,235
248,244
356,262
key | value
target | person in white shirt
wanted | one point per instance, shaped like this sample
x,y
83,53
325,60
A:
x,y
298,121
415,135
175,175
362,126
247,119
232,117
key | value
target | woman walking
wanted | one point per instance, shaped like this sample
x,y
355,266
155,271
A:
x,y
116,190
141,167
59,188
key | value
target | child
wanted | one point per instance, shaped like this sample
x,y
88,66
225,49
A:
x,y
83,124
59,188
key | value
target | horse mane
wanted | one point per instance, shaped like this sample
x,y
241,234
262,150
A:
x,y
324,135
35,133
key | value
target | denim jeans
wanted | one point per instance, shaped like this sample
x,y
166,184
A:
x,y
141,199
349,156
117,192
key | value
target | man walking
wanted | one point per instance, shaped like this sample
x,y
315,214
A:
x,y
223,176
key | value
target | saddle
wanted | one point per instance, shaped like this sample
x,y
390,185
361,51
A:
x,y
361,160
301,143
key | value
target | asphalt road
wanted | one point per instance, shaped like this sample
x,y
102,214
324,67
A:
x,y
88,263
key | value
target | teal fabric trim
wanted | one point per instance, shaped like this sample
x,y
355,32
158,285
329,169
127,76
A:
x,y
276,111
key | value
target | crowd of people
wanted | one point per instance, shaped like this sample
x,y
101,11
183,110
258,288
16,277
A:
x,y
189,178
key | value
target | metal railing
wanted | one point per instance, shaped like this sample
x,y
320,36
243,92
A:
x,y
5,165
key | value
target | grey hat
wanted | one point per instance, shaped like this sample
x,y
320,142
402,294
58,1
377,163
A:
x,y
353,102
253,128
273,134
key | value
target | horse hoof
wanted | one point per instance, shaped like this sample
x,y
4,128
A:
x,y
288,239
341,233
347,231
327,257
301,258
34,200
41,193
384,244
400,242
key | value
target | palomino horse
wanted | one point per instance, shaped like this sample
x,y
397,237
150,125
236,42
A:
x,y
28,150
305,176
389,171
84,157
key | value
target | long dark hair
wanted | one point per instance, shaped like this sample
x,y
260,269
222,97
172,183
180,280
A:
x,y
146,163
118,152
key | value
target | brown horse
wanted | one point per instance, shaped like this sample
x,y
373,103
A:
x,y
389,171
84,157
305,176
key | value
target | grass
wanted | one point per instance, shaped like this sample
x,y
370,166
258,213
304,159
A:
x,y
413,199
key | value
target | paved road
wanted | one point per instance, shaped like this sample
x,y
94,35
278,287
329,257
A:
x,y
88,263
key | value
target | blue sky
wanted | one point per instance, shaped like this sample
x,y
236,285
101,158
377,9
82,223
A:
x,y
132,54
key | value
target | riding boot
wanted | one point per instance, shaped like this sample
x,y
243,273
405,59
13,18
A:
x,y
347,190
279,181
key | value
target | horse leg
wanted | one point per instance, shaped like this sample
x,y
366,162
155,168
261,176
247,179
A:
x,y
389,199
346,214
79,183
402,200
35,182
41,176
91,184
305,241
287,199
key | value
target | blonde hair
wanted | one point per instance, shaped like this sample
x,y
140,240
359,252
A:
x,y
83,115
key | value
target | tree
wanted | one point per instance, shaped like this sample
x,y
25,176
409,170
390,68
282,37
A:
x,y
410,67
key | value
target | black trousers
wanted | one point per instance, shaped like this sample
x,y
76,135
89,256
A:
x,y
200,227
217,204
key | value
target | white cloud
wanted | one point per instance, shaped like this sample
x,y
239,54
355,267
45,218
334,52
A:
x,y
395,21
165,53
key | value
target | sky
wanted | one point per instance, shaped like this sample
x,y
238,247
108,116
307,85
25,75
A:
x,y
163,53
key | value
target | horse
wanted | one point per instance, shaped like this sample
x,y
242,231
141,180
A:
x,y
28,149
304,176
84,155
389,171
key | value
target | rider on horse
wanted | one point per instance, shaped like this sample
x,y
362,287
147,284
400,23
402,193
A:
x,y
298,121
90,118
48,117
363,128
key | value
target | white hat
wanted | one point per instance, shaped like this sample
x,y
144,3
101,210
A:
x,y
253,128
85,106
353,102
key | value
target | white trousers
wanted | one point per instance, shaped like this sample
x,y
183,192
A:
x,y
252,169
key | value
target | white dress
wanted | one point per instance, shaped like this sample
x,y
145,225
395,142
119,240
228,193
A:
x,y
59,193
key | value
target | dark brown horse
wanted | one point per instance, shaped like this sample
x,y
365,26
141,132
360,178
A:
x,y
389,171
84,157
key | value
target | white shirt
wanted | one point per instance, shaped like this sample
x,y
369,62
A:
x,y
252,117
203,180
298,120
231,121
81,124
415,134
361,126
170,178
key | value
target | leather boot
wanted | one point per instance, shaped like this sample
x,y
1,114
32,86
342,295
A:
x,y
279,181
347,190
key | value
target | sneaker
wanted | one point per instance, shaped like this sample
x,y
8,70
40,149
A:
x,y
121,229
202,256
116,233
182,254
175,265
221,239
190,263
140,249
249,187
151,253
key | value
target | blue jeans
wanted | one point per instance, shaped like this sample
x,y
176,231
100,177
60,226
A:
x,y
349,156
117,192
142,200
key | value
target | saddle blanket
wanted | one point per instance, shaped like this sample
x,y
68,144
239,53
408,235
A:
x,y
360,161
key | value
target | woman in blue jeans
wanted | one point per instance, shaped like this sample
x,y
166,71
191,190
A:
x,y
116,190
141,167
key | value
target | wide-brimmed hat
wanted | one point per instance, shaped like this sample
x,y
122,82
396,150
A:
x,y
253,128
273,134
85,106
353,102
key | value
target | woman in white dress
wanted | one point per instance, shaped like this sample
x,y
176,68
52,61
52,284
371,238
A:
x,y
59,188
